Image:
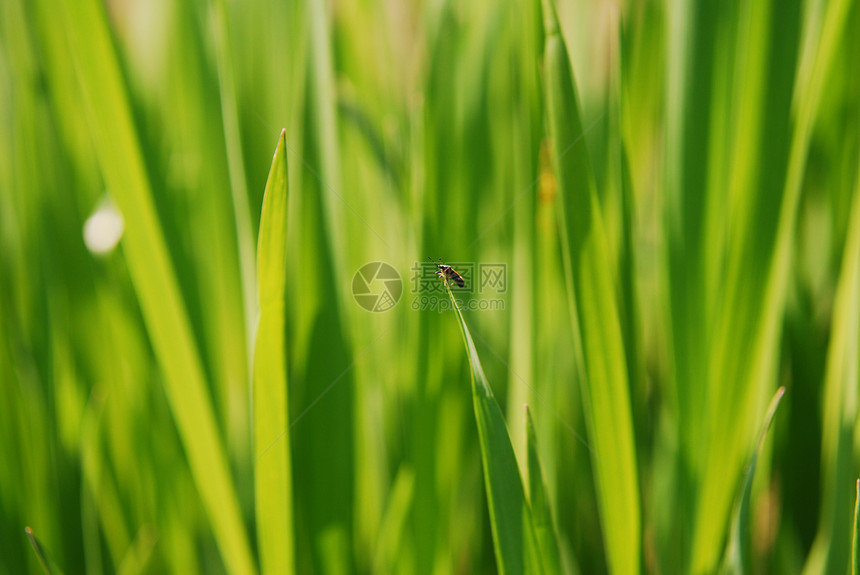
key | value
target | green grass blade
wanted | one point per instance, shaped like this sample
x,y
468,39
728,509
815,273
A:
x,y
540,505
855,552
738,553
594,313
116,142
273,476
44,559
511,520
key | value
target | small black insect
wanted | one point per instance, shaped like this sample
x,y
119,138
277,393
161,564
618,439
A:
x,y
446,272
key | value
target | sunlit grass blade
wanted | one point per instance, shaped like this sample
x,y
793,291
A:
x,y
511,520
737,559
116,142
44,558
687,254
540,504
593,312
272,470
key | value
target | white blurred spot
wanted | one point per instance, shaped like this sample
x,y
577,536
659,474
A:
x,y
103,229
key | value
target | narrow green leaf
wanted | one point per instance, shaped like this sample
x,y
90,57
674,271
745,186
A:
x,y
44,559
106,106
737,559
594,312
540,505
510,515
273,476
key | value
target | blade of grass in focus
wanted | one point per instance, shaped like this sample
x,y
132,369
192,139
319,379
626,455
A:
x,y
593,312
540,505
511,520
738,559
273,475
116,143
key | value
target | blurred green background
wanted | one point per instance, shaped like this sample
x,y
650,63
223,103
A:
x,y
720,140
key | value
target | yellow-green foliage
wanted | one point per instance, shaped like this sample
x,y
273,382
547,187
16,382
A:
x,y
673,187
